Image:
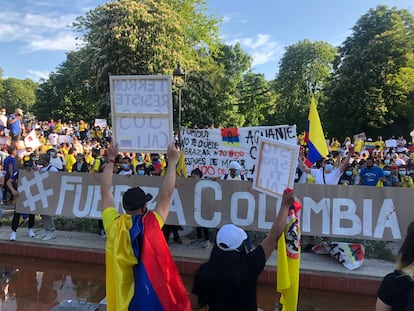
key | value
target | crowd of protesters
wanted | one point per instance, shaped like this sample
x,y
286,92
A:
x,y
63,146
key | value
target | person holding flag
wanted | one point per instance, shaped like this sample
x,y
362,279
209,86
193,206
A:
x,y
140,271
227,281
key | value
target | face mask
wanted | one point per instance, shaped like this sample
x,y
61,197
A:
x,y
386,162
237,172
403,173
140,158
141,172
34,159
348,173
52,154
359,171
124,166
387,173
329,167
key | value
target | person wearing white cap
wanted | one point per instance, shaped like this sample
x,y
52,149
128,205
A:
x,y
234,172
227,281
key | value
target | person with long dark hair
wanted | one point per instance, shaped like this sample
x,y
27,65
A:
x,y
227,281
396,291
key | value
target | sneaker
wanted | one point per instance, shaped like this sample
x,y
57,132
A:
x,y
31,233
102,234
13,236
206,244
50,235
42,235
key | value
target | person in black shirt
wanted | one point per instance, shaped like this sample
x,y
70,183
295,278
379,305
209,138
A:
x,y
396,291
227,281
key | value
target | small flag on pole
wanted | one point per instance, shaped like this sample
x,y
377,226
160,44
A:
x,y
314,137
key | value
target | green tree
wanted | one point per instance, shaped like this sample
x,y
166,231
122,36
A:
x,y
211,95
68,93
304,70
129,37
18,93
371,87
257,98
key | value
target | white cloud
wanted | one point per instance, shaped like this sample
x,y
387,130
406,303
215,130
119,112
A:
x,y
261,47
36,75
38,31
63,42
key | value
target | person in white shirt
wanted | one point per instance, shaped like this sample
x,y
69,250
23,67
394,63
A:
x,y
234,172
3,121
53,138
56,159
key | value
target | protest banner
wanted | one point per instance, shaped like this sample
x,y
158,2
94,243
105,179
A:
x,y
31,140
327,210
212,150
101,123
141,112
276,167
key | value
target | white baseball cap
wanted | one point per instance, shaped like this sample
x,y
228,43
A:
x,y
230,237
235,165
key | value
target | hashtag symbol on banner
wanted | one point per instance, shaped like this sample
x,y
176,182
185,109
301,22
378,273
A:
x,y
27,186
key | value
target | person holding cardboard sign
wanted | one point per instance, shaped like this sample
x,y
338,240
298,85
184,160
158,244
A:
x,y
227,281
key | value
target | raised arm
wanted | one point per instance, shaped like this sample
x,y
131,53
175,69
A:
x,y
279,224
345,164
168,184
107,198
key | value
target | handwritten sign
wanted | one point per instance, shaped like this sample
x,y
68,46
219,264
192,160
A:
x,y
141,112
276,167
212,150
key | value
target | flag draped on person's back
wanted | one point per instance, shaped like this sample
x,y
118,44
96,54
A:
x,y
288,260
314,136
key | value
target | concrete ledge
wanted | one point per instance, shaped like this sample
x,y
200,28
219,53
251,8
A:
x,y
319,272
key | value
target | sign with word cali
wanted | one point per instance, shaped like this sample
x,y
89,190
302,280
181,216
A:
x,y
141,112
212,150
359,212
276,167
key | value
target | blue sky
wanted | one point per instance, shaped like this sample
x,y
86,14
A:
x,y
34,34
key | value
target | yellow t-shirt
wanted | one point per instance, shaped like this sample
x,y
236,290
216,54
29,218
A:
x,y
70,161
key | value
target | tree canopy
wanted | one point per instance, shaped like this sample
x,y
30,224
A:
x,y
371,88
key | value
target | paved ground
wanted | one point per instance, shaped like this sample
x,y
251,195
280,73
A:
x,y
187,250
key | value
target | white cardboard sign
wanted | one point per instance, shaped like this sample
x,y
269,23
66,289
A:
x,y
276,167
141,112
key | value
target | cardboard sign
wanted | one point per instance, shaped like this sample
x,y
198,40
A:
x,y
141,112
101,123
276,167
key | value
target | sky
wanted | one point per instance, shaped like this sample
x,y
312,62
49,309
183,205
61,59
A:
x,y
35,34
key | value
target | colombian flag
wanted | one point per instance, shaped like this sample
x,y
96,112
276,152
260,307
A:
x,y
140,271
230,137
288,261
314,136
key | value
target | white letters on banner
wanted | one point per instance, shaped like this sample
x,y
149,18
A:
x,y
212,150
141,108
340,211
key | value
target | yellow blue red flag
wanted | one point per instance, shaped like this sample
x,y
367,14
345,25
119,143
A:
x,y
314,136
